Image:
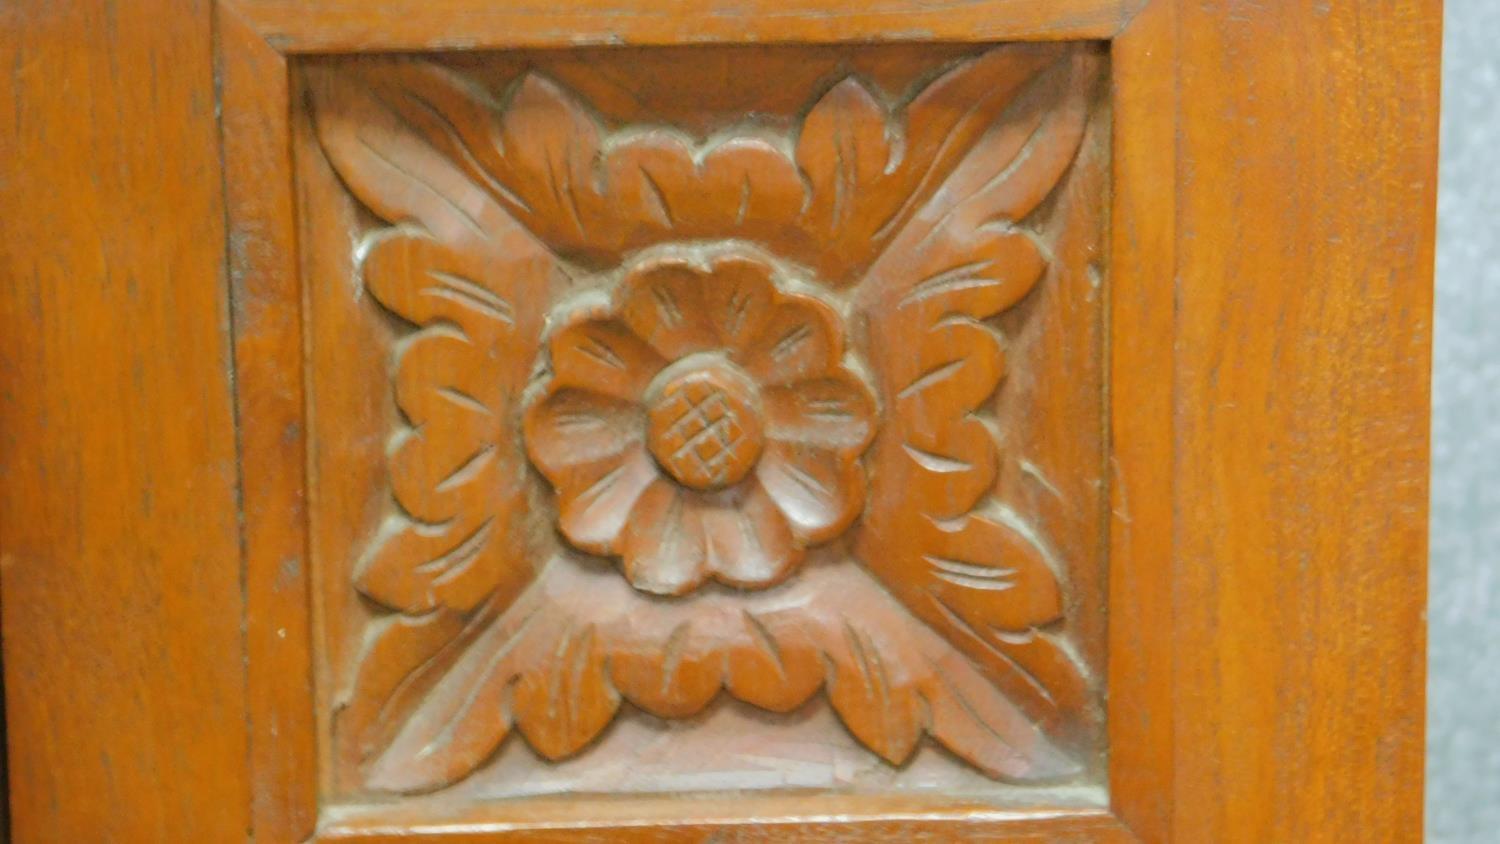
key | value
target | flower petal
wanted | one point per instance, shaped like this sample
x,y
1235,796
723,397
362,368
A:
x,y
661,301
837,412
572,427
602,355
749,543
738,299
800,340
819,491
663,546
595,501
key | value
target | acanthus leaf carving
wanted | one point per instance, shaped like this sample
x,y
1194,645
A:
x,y
869,170
752,359
579,640
398,652
452,267
962,259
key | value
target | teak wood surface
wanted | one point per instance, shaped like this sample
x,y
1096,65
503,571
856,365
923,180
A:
x,y
193,419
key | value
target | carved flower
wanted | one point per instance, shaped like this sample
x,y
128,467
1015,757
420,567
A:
x,y
704,424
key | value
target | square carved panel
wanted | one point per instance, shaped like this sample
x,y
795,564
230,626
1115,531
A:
x,y
689,419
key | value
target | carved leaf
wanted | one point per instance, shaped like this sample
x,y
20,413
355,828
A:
x,y
566,700
674,679
865,183
428,282
445,472
579,639
392,168
773,663
845,151
398,652
542,157
589,191
452,267
991,583
959,259
981,559
461,717
963,711
870,692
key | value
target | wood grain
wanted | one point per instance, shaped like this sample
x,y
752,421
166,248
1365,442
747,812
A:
x,y
266,299
1269,315
1307,146
123,652
1142,311
356,25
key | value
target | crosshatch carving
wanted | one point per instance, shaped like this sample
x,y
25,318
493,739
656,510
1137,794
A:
x,y
687,413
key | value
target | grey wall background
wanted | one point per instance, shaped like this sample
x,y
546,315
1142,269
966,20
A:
x,y
1463,720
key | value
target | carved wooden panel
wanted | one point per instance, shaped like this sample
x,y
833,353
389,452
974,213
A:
x,y
709,418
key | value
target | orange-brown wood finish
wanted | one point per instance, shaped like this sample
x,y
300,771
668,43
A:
x,y
1141,422
1300,443
747,372
268,349
119,547
1036,429
346,26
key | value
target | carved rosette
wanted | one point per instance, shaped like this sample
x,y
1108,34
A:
x,y
703,424
758,361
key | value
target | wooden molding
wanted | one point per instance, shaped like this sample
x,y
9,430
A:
x,y
347,26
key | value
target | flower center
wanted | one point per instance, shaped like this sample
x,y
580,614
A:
x,y
704,424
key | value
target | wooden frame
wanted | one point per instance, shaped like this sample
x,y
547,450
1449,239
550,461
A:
x,y
1142,747
268,346
1270,318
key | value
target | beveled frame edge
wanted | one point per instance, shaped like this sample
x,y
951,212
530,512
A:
x,y
255,40
1139,337
267,319
742,818
341,26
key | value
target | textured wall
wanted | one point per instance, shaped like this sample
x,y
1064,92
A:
x,y
1463,757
